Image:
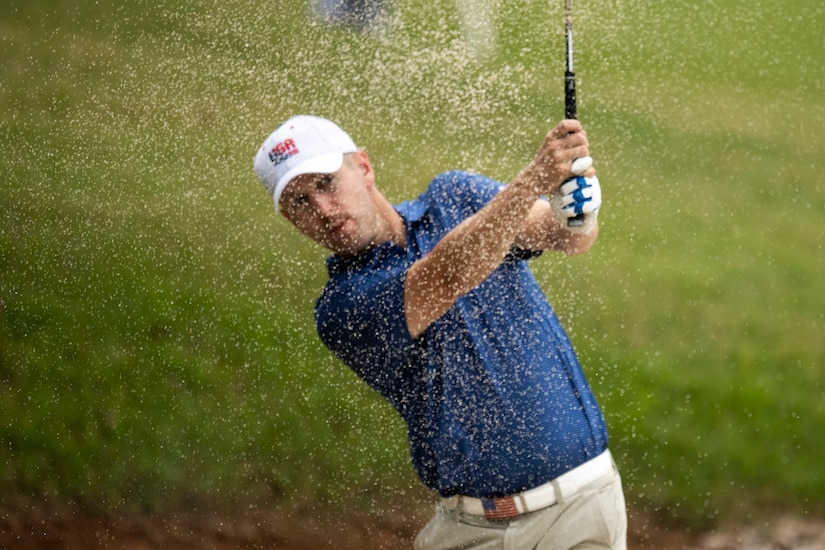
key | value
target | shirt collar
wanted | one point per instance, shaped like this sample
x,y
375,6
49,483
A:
x,y
411,211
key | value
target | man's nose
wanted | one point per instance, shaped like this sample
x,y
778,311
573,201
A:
x,y
324,204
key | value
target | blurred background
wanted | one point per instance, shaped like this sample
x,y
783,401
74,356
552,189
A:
x,y
157,347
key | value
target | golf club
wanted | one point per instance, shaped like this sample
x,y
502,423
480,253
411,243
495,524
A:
x,y
580,165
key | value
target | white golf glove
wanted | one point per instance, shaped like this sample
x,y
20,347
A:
x,y
579,195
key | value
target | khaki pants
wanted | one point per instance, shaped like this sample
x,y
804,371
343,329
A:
x,y
595,517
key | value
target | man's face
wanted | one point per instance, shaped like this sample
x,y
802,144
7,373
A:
x,y
335,210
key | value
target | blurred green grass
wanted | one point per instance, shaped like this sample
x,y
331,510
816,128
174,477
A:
x,y
156,341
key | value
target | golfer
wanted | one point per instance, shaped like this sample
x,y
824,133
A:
x,y
432,303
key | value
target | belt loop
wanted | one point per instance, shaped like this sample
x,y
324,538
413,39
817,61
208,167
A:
x,y
557,490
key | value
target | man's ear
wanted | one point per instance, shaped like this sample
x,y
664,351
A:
x,y
362,161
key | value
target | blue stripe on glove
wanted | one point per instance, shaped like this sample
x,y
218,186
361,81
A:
x,y
581,195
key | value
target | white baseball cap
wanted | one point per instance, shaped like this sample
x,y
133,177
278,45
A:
x,y
304,144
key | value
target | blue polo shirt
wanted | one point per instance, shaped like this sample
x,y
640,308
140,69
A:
x,y
492,393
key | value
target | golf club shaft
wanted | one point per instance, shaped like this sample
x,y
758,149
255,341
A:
x,y
569,73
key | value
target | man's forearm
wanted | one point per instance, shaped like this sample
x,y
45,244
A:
x,y
476,247
466,256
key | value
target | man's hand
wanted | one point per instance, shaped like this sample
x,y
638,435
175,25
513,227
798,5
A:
x,y
553,164
581,195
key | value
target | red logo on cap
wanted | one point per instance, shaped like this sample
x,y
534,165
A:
x,y
282,151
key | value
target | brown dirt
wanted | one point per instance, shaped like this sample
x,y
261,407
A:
x,y
362,532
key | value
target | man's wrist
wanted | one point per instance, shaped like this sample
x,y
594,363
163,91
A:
x,y
533,178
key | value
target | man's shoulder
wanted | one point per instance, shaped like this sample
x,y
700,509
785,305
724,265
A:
x,y
451,195
456,183
456,178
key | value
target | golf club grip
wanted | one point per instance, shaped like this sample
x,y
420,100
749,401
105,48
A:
x,y
570,95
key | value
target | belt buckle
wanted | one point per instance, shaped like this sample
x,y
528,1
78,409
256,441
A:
x,y
496,509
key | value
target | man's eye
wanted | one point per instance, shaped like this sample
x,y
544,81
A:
x,y
300,201
325,182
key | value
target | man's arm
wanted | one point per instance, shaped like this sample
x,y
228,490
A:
x,y
470,252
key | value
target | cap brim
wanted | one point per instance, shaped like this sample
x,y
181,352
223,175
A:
x,y
319,164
